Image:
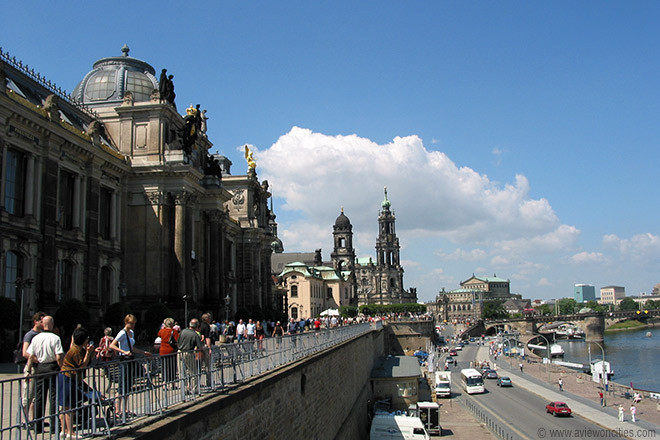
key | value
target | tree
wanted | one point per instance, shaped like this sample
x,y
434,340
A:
x,y
628,304
567,306
593,305
544,309
652,304
348,311
494,310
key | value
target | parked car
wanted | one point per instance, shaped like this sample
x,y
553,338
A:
x,y
490,374
558,409
504,381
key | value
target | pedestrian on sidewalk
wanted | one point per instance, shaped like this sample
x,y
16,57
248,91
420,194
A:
x,y
633,412
620,413
561,384
600,394
521,367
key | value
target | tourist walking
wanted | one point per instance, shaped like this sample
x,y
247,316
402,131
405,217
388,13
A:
x,y
240,331
621,419
600,394
560,382
260,332
189,344
278,332
124,344
633,412
521,367
46,349
168,347
250,330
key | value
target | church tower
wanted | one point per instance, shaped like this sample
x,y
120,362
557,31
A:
x,y
343,254
389,270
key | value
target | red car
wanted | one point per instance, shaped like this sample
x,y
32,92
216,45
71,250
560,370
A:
x,y
558,409
453,353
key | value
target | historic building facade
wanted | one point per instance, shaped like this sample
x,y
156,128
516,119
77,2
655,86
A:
x,y
109,195
466,303
345,279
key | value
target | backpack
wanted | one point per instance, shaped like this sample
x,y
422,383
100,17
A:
x,y
172,340
19,359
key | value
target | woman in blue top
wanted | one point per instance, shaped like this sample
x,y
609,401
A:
x,y
124,344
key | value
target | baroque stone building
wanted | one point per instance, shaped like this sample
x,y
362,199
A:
x,y
313,286
466,303
109,195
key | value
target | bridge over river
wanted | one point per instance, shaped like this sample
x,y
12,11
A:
x,y
593,324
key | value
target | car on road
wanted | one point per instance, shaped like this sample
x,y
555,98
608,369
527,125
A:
x,y
504,381
459,347
453,352
450,360
558,409
490,374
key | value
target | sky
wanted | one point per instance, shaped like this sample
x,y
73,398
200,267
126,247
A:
x,y
515,138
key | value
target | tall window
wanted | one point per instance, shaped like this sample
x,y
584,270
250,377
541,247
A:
x,y
66,280
105,286
329,292
15,182
66,199
105,210
294,291
294,312
13,271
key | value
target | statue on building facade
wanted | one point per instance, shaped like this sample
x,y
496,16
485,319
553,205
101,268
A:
x,y
190,128
166,87
250,159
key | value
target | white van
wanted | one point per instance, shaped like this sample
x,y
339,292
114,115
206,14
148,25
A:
x,y
388,427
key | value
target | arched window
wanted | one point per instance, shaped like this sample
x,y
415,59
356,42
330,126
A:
x,y
294,291
13,271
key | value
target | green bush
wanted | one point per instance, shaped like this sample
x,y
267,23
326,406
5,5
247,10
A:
x,y
385,309
114,315
71,313
154,317
348,311
8,313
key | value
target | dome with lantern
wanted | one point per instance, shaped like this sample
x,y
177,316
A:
x,y
112,77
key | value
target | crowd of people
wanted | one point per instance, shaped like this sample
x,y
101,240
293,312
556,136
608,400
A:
x,y
53,373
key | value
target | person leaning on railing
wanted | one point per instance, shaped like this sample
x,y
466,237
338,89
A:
x,y
71,377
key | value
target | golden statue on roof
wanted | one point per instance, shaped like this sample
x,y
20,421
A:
x,y
250,159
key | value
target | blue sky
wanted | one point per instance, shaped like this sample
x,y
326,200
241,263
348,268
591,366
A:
x,y
515,138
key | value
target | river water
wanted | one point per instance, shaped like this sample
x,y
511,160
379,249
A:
x,y
634,357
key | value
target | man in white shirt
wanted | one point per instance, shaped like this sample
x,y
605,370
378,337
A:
x,y
250,330
46,349
240,331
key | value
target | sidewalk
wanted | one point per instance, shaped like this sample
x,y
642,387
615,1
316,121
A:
x,y
586,408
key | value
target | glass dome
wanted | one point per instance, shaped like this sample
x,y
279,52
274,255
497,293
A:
x,y
112,77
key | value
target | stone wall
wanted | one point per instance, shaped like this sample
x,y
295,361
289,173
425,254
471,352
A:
x,y
324,396
404,337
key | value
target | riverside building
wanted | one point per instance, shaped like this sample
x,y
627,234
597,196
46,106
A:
x,y
110,195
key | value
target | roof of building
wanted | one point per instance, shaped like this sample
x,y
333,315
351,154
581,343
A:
x,y
493,279
396,366
278,261
110,78
365,261
342,221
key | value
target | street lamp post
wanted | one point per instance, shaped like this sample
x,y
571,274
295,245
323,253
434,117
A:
x,y
549,355
186,298
227,305
21,284
603,373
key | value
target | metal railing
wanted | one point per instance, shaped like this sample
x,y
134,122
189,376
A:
x,y
117,393
498,428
